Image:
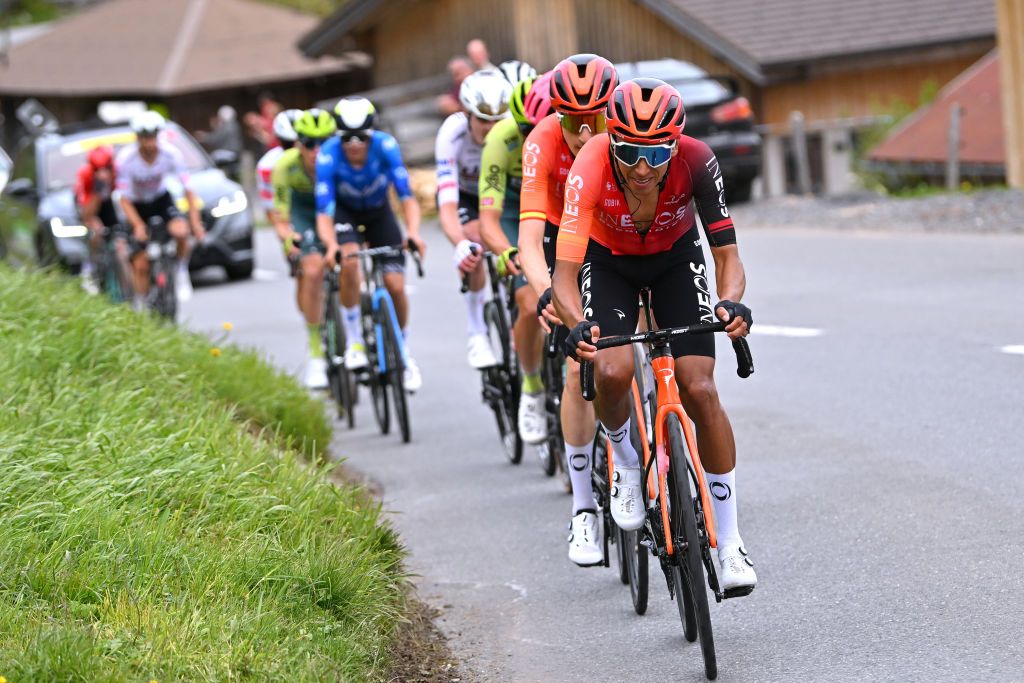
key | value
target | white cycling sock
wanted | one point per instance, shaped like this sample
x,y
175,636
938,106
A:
x,y
722,488
350,318
405,341
183,265
475,312
623,453
580,465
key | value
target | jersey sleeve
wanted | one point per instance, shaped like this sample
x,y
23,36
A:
x,y
537,162
281,189
583,188
445,157
83,185
397,173
264,180
325,173
178,165
709,194
494,163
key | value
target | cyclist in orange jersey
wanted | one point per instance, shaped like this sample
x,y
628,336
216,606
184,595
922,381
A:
x,y
580,88
629,222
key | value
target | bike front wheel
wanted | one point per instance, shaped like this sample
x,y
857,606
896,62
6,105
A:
x,y
687,565
374,377
503,381
395,372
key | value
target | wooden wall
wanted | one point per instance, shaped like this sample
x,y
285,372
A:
x,y
545,43
416,40
1011,65
857,93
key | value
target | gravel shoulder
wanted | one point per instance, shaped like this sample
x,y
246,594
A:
x,y
982,212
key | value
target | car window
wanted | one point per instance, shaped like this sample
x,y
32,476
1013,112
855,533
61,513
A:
x,y
5,169
703,91
63,159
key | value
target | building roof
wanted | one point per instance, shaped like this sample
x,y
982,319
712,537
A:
x,y
167,47
923,137
786,31
755,36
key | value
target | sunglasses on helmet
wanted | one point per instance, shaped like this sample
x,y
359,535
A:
x,y
310,142
630,154
575,123
356,135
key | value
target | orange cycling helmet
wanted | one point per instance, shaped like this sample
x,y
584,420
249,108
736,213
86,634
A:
x,y
646,111
582,84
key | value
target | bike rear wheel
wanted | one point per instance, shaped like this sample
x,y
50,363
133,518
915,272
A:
x,y
687,565
504,379
395,372
374,378
166,300
338,376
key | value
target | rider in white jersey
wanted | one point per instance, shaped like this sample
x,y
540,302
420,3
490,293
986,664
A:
x,y
143,171
284,131
484,96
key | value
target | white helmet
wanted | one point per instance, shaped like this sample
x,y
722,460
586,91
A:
x,y
485,94
284,125
147,122
515,71
354,113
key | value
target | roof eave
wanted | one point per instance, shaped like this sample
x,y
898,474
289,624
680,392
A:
x,y
315,43
687,24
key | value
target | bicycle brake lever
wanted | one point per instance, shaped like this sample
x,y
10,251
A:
x,y
744,360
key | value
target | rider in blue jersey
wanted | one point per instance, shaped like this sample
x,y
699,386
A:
x,y
353,172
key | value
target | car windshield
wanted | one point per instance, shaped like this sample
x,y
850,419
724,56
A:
x,y
692,83
63,160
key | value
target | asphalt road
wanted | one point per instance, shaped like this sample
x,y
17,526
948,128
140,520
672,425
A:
x,y
879,485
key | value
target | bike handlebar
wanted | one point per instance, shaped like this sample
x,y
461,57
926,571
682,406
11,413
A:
x,y
744,359
465,276
379,252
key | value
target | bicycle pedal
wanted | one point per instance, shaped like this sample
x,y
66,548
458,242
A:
x,y
738,592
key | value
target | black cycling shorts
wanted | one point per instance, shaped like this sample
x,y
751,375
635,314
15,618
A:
x,y
469,207
106,213
678,281
377,227
163,207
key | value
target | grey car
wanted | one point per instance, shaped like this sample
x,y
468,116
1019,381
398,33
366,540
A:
x,y
715,114
39,220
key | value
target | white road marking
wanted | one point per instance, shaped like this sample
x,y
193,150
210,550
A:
x,y
784,331
265,275
1017,349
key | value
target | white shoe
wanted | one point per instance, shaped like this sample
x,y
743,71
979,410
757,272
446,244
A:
x,y
480,354
355,356
316,373
737,569
183,285
533,421
89,284
626,502
412,379
585,539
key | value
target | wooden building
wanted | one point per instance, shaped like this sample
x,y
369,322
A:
x,y
191,57
835,61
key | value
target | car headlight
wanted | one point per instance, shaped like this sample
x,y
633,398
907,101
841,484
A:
x,y
236,203
64,230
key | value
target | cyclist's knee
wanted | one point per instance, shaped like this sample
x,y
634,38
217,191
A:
x,y
699,394
178,228
613,372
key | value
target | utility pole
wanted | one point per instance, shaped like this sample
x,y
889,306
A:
x,y
1010,34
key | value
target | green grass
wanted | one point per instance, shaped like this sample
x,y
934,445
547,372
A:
x,y
153,525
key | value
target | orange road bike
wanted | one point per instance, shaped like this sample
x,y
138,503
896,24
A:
x,y
680,527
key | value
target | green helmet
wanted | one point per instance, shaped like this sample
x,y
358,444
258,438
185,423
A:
x,y
515,103
316,124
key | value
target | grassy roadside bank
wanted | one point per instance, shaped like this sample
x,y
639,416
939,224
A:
x,y
150,528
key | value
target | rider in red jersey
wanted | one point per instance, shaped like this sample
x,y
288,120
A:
x,y
629,222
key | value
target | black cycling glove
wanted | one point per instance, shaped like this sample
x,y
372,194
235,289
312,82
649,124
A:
x,y
543,302
735,309
577,334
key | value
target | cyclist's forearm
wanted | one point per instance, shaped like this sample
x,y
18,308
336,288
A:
x,y
325,230
193,207
565,293
411,210
130,212
448,215
531,254
89,210
491,233
730,277
283,229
